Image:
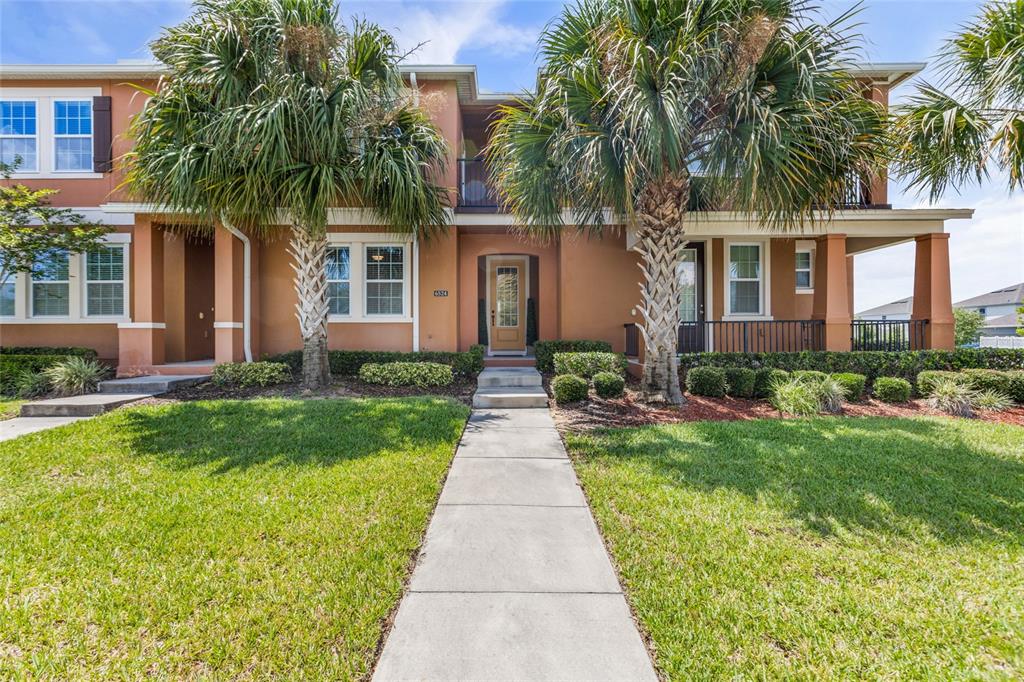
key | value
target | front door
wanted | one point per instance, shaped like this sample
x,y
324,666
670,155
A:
x,y
507,280
692,332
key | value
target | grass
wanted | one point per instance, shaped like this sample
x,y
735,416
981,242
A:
x,y
9,407
223,539
822,548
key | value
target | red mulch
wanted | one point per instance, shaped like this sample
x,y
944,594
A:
x,y
630,411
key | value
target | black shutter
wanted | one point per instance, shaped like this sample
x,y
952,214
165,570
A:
x,y
102,136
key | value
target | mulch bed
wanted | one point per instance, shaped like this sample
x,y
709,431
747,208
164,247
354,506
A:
x,y
342,387
631,411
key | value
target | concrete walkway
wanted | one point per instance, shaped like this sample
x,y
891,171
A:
x,y
513,581
20,426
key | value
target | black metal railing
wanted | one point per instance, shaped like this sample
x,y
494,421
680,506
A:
x,y
888,335
751,336
632,340
475,191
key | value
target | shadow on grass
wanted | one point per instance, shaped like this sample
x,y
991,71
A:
x,y
238,434
884,475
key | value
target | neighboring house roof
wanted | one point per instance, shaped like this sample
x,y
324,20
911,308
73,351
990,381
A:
x,y
1011,295
904,306
1002,321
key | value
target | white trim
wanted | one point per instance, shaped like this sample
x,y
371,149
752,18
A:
x,y
228,325
764,308
54,136
366,246
811,254
46,147
357,242
415,279
141,325
35,137
125,276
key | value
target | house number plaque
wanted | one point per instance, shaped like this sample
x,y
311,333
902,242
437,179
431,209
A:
x,y
441,293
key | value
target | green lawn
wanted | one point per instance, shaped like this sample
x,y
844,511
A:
x,y
233,539
824,548
9,407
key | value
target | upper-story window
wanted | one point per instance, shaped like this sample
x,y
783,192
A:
x,y
804,269
50,129
72,135
18,133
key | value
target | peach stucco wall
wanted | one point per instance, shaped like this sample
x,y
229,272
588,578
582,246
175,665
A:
x,y
100,337
439,273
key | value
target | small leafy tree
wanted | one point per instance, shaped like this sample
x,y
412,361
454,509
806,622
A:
x,y
967,326
1020,321
30,228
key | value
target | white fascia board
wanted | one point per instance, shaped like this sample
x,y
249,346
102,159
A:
x,y
335,216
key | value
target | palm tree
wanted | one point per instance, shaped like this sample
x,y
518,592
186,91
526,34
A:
x,y
660,110
271,113
974,120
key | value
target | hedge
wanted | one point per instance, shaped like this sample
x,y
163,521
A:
x,y
892,389
872,364
544,351
569,388
609,385
251,373
706,381
853,384
347,363
79,351
765,378
739,382
12,366
419,374
588,364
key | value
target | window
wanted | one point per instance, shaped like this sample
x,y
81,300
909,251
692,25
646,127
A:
x,y
385,280
745,279
18,134
51,285
339,275
506,279
104,281
72,135
804,280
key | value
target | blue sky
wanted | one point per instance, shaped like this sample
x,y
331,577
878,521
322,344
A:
x,y
500,37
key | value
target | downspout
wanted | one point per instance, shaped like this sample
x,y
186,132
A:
x,y
246,292
416,292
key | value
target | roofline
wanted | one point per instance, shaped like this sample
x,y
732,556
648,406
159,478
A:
x,y
889,73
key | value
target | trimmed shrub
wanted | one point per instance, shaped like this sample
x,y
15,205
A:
x,y
1016,387
609,385
927,379
75,375
348,362
953,396
794,396
569,388
872,364
246,374
853,385
764,378
808,375
544,351
988,380
13,366
739,382
419,374
74,351
588,364
706,381
891,389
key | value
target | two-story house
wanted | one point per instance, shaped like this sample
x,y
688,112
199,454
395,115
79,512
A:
x,y
153,299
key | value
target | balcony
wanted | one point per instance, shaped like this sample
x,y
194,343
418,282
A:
x,y
475,192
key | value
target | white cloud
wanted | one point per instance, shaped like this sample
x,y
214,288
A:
x,y
985,253
441,30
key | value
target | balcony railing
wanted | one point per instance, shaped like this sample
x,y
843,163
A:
x,y
888,335
741,336
475,191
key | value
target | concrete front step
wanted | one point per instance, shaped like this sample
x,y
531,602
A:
x,y
510,396
510,361
80,405
493,377
151,384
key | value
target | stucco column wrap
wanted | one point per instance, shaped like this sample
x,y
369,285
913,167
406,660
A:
x,y
228,265
933,300
141,341
831,291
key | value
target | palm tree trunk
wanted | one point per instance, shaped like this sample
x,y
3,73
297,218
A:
x,y
309,256
660,243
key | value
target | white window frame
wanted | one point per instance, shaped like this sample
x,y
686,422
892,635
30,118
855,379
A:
x,y
338,281
357,242
84,268
32,297
28,172
404,282
54,136
810,250
764,252
45,139
77,303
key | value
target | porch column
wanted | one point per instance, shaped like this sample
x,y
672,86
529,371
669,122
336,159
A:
x,y
228,287
933,300
831,291
141,341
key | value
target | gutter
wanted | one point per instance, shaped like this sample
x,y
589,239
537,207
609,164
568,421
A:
x,y
416,293
247,291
